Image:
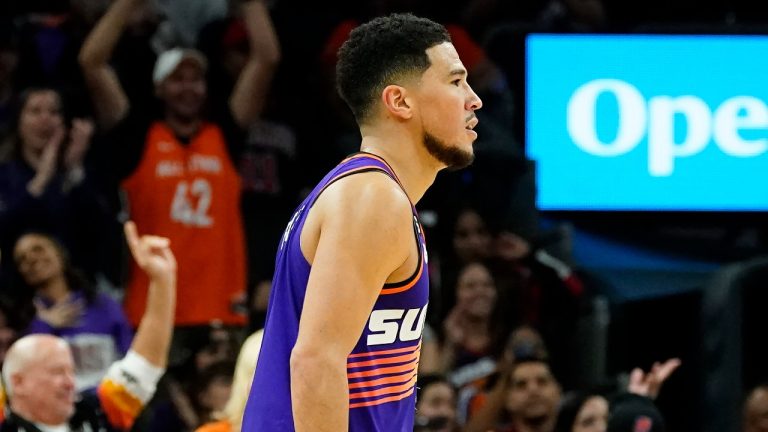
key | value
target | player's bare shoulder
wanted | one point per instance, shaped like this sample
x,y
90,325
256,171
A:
x,y
361,209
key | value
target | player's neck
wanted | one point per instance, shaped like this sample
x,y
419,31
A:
x,y
416,173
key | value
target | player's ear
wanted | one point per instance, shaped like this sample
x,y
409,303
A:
x,y
396,101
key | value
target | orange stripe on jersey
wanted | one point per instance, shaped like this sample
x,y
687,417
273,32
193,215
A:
x,y
383,400
120,406
385,360
385,371
385,391
384,352
381,381
396,290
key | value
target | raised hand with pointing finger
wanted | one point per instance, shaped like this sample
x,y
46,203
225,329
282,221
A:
x,y
152,254
649,384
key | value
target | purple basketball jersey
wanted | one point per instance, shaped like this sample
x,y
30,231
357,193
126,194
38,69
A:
x,y
382,367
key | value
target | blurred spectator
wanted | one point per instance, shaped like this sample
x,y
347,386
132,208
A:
x,y
68,306
231,417
533,396
582,412
435,405
212,389
46,184
472,330
178,172
543,292
524,342
756,410
203,349
472,239
39,370
633,413
524,399
461,237
628,411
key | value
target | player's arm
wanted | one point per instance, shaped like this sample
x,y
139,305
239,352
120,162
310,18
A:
x,y
365,235
130,382
109,99
247,99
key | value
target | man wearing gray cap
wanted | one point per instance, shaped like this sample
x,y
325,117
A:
x,y
178,171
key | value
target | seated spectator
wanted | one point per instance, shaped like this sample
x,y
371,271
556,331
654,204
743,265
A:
x,y
524,342
624,412
543,292
69,306
472,328
524,399
435,405
583,412
39,370
46,186
201,350
231,417
533,397
631,413
212,389
461,237
472,239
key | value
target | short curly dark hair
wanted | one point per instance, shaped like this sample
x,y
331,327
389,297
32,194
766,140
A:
x,y
381,52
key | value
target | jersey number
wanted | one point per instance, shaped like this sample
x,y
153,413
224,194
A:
x,y
386,325
183,209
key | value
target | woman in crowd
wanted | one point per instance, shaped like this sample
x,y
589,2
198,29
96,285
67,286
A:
x,y
583,412
45,185
66,304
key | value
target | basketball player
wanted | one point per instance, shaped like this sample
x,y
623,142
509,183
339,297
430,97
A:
x,y
343,331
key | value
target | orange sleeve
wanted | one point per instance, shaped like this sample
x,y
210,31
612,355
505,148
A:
x,y
120,406
129,384
3,402
220,426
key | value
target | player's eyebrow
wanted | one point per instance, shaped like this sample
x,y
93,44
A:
x,y
457,71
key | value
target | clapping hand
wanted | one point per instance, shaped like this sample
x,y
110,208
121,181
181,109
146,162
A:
x,y
45,169
79,142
